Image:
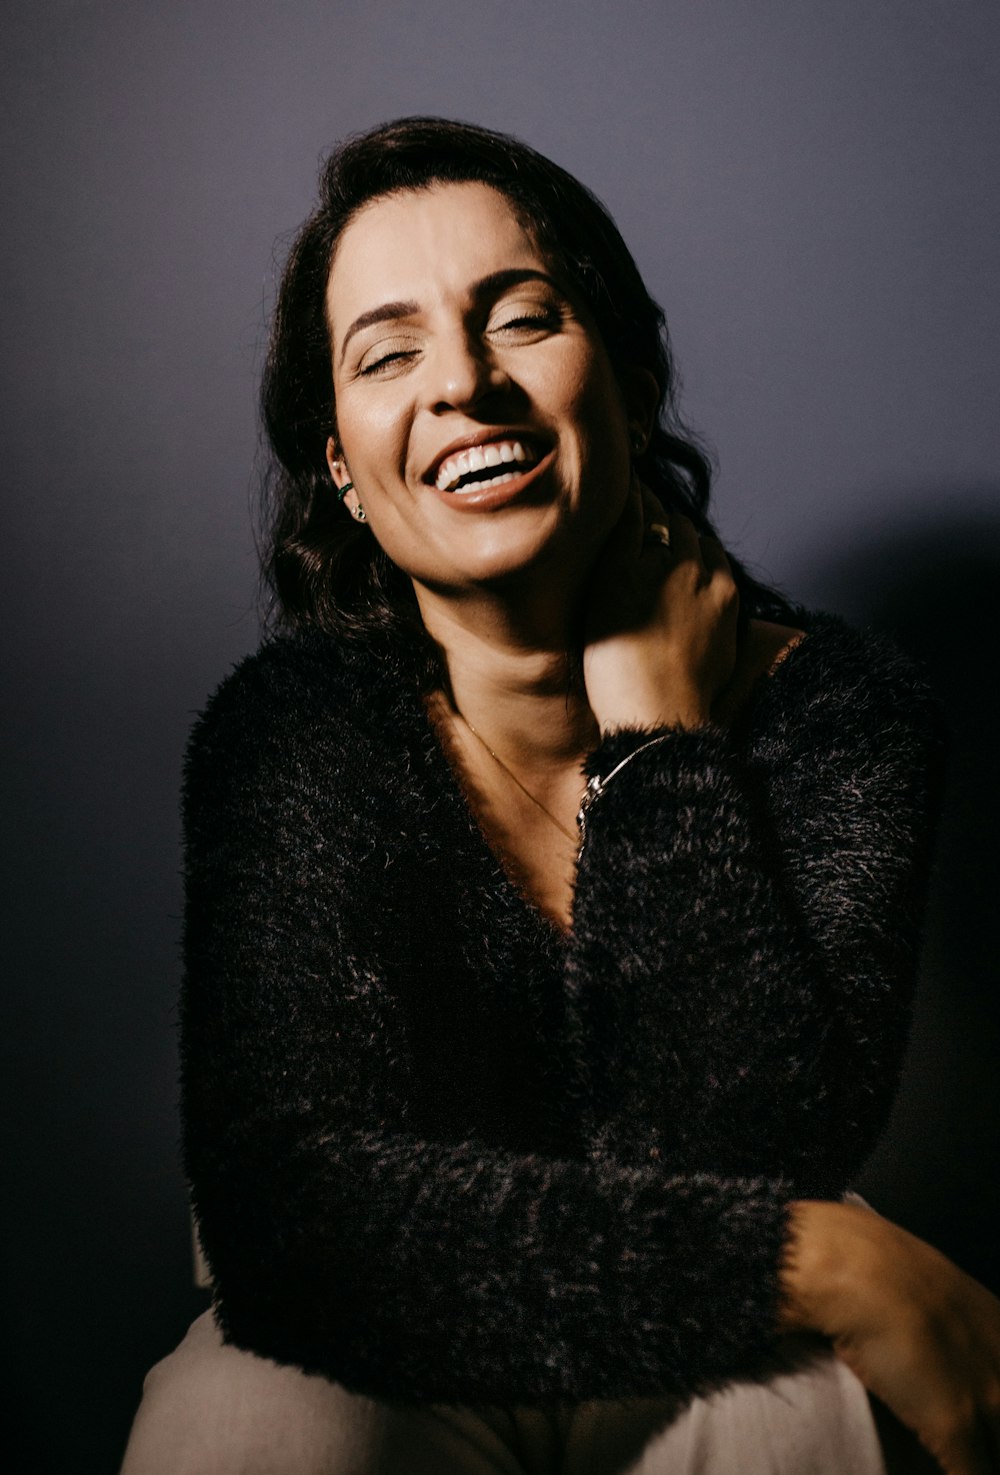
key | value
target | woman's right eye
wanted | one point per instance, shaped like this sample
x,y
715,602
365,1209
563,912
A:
x,y
379,365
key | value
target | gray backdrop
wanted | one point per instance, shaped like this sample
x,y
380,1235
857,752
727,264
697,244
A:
x,y
812,193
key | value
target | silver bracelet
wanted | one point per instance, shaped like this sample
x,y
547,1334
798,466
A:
x,y
596,786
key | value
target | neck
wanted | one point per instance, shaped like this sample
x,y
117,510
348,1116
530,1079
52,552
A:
x,y
512,678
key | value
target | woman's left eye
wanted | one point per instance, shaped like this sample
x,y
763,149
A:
x,y
528,320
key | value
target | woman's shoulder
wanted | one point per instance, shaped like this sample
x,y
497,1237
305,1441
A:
x,y
313,666
763,647
830,676
836,659
271,683
295,693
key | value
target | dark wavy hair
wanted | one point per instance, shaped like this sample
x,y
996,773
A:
x,y
322,568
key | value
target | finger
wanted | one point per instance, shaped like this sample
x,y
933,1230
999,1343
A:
x,y
634,519
657,536
656,522
718,569
959,1438
964,1452
653,509
992,1421
684,543
713,555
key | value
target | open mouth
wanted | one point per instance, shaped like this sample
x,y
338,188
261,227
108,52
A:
x,y
484,466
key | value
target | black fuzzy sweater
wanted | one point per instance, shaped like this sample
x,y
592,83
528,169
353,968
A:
x,y
437,1149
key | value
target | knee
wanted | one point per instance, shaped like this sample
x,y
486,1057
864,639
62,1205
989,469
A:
x,y
196,1355
208,1408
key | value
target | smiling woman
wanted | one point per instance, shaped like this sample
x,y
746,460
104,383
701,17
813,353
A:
x,y
477,324
553,892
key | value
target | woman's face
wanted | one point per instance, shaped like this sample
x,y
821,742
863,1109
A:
x,y
458,359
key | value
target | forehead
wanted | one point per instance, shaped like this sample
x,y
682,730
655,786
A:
x,y
425,243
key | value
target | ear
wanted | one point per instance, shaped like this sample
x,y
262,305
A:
x,y
641,392
336,463
339,472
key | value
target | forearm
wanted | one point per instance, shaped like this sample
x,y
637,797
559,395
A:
x,y
766,894
417,1269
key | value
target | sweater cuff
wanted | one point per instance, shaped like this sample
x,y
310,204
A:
x,y
688,747
664,761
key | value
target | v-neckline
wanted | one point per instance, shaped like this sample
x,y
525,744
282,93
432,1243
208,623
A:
x,y
489,857
489,854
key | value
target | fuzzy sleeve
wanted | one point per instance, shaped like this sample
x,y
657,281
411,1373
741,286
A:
x,y
762,891
343,1242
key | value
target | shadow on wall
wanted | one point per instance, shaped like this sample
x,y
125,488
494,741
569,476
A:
x,y
934,587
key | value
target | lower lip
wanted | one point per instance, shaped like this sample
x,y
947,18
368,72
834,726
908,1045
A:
x,y
491,498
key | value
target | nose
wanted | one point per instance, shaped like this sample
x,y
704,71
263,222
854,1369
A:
x,y
462,372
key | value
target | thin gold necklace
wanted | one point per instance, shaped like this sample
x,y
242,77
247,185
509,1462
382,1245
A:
x,y
511,774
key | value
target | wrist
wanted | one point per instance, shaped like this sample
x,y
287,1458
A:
x,y
649,719
657,709
831,1249
649,700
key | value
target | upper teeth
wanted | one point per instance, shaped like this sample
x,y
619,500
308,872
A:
x,y
477,458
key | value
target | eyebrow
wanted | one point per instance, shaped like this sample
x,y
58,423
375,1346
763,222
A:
x,y
496,282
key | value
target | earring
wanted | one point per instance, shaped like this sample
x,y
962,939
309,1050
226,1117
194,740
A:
x,y
358,512
638,439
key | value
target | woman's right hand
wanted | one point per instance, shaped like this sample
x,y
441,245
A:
x,y
918,1332
660,630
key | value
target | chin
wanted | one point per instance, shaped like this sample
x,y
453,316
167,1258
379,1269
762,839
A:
x,y
509,558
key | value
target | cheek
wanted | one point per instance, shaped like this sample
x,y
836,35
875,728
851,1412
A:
x,y
600,414
606,458
591,396
373,435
